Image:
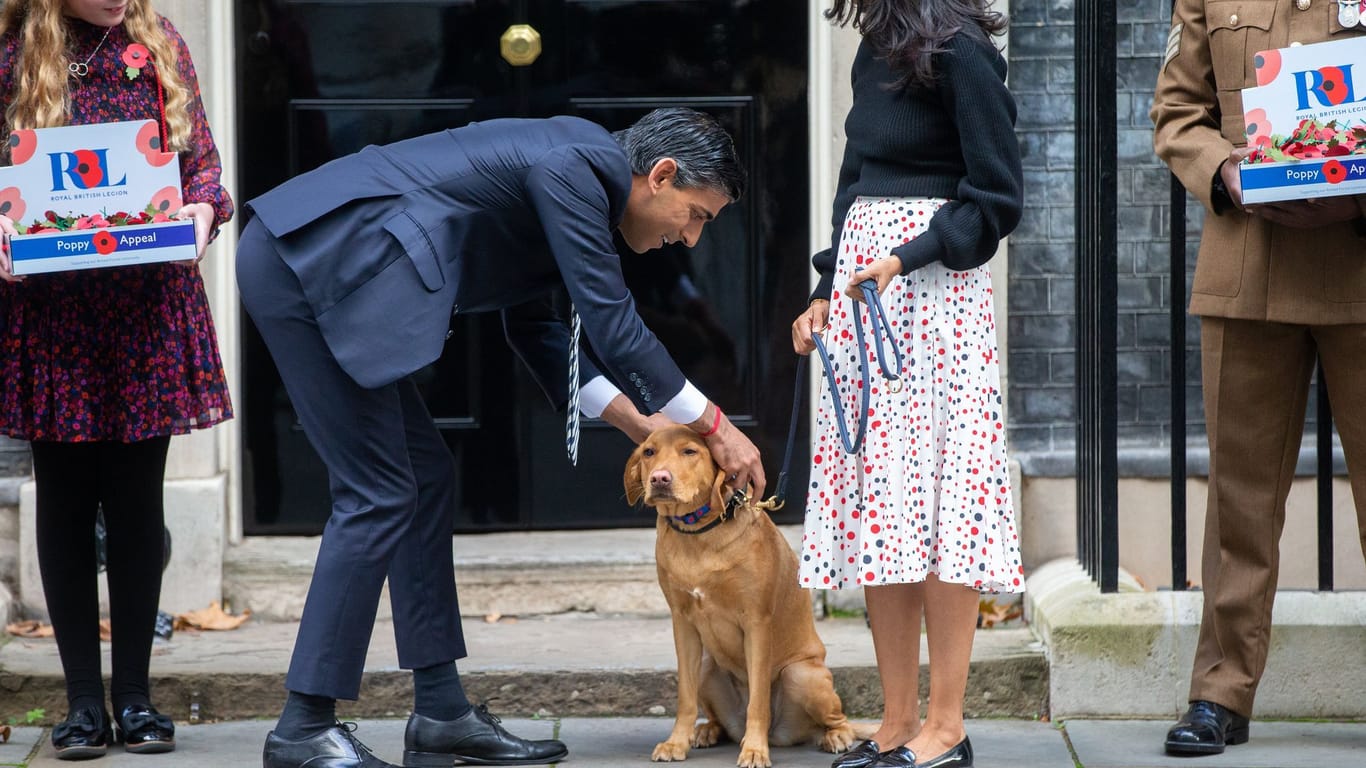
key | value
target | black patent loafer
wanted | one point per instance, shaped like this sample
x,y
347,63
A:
x,y
897,758
143,730
864,754
958,757
336,747
475,738
1205,729
82,735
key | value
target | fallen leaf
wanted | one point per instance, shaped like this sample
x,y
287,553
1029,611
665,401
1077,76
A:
x,y
29,628
213,618
991,613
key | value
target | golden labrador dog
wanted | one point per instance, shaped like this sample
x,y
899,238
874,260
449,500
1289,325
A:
x,y
748,654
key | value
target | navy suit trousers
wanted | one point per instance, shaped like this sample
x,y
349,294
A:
x,y
393,502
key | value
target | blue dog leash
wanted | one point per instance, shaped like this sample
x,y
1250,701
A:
x,y
878,317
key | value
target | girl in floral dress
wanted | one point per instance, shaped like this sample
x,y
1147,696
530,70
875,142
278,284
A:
x,y
100,367
921,516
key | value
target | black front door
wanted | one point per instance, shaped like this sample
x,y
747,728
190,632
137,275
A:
x,y
323,78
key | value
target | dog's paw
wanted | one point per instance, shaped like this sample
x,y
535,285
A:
x,y
754,756
669,752
708,734
838,740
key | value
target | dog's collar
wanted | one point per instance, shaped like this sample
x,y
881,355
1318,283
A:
x,y
737,499
677,522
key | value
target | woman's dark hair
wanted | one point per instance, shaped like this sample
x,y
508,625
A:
x,y
704,152
908,33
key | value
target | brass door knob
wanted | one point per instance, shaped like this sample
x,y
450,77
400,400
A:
x,y
520,45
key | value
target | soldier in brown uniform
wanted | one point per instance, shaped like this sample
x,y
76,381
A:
x,y
1275,285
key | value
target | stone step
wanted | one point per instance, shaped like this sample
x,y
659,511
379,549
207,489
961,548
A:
x,y
562,665
510,574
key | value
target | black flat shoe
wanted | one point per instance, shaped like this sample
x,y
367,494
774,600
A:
x,y
82,735
336,747
958,757
475,738
143,730
897,758
864,754
1205,729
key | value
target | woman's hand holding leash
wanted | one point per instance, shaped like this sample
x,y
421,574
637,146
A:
x,y
881,271
812,321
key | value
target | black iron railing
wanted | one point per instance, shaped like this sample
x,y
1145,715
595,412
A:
x,y
1097,250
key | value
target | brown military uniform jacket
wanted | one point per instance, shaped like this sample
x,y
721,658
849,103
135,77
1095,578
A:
x,y
1249,268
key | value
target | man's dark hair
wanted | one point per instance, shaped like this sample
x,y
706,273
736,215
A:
x,y
704,152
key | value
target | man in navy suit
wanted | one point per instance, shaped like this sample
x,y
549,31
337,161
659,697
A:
x,y
352,271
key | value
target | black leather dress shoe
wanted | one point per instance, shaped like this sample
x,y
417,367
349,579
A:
x,y
336,747
1205,729
864,754
83,734
142,729
897,758
475,738
958,757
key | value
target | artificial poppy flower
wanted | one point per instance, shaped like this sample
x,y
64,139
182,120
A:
x,y
1334,171
135,57
11,203
88,168
166,202
1268,64
22,142
1258,127
105,243
149,144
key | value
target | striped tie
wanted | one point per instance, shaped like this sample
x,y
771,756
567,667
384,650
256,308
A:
x,y
571,427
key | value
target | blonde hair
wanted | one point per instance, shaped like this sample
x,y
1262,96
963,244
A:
x,y
42,96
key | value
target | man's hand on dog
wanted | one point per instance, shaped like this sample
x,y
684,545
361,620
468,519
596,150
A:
x,y
732,451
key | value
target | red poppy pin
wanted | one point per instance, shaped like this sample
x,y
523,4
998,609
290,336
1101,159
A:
x,y
1334,172
105,243
135,57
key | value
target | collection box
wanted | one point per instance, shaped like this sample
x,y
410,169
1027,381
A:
x,y
1306,122
93,196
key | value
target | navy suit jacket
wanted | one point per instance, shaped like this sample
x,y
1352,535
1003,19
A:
x,y
390,241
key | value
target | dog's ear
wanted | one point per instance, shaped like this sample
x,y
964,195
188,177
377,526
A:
x,y
718,490
635,487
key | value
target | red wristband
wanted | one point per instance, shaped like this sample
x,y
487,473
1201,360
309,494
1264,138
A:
x,y
715,424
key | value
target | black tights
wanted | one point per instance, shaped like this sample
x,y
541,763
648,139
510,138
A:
x,y
74,481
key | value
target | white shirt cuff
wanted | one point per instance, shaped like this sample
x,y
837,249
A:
x,y
686,406
595,395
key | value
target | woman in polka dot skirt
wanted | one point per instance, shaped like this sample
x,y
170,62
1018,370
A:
x,y
921,516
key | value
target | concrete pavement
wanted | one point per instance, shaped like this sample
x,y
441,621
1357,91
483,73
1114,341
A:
x,y
627,742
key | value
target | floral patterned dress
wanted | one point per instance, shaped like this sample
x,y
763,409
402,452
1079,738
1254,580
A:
x,y
124,353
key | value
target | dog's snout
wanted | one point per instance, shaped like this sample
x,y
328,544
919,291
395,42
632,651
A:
x,y
661,478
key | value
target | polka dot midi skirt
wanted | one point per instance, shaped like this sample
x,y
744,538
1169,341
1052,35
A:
x,y
929,491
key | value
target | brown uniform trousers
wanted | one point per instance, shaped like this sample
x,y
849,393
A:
x,y
1271,298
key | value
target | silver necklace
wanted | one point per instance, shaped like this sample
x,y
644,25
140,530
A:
x,y
82,69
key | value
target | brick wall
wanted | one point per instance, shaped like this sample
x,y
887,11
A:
x,y
1042,328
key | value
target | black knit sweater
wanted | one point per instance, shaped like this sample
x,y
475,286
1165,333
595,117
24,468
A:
x,y
954,141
